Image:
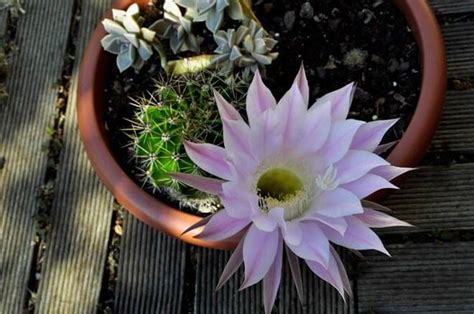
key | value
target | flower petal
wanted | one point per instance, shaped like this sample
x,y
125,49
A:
x,y
295,273
237,140
238,202
260,249
314,244
375,219
259,99
222,226
358,237
340,101
233,264
339,224
226,110
342,271
293,234
390,172
367,185
369,135
265,139
210,158
269,222
317,127
357,163
271,281
338,141
330,274
302,82
336,203
291,110
208,185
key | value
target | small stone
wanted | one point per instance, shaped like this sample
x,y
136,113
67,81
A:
x,y
289,19
307,11
355,58
118,230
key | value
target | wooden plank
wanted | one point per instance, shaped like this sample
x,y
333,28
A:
x,y
456,131
37,65
444,7
419,278
81,215
436,198
151,271
459,41
209,266
320,297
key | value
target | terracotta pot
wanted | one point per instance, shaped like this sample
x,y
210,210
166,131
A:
x,y
90,108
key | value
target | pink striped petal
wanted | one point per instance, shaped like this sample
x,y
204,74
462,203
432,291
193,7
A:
x,y
222,226
233,264
295,273
271,281
390,172
369,135
339,141
338,224
367,185
210,158
375,219
342,271
226,110
314,245
358,237
340,101
238,202
237,139
336,203
329,274
290,111
317,127
198,224
357,163
302,82
259,99
208,185
265,139
260,249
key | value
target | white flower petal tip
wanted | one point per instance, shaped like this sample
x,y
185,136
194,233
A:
x,y
302,82
226,110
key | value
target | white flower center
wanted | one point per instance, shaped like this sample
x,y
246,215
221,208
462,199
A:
x,y
328,181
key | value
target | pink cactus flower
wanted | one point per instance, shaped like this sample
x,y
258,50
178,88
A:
x,y
293,178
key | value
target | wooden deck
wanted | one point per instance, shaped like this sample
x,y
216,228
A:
x,y
67,247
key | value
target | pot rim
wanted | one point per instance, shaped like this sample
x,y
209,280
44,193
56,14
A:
x,y
172,221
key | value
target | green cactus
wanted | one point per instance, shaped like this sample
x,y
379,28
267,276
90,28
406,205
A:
x,y
180,108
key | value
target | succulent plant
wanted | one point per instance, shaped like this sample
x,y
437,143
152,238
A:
x,y
212,11
179,108
132,43
248,47
177,28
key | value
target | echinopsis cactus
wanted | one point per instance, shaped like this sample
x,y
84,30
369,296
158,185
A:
x,y
177,28
180,108
132,43
248,47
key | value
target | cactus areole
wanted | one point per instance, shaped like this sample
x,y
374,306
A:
x,y
91,105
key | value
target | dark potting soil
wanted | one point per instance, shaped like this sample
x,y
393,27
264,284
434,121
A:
x,y
339,41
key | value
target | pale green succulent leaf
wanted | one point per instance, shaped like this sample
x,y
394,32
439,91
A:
x,y
260,46
204,6
124,60
186,24
111,43
172,10
113,27
241,32
270,43
132,38
118,15
188,4
214,20
235,11
133,10
221,5
248,43
262,59
131,25
148,34
175,44
163,28
145,50
138,64
235,54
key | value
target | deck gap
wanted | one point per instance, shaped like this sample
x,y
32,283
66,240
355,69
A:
x,y
190,287
109,280
47,191
433,236
447,158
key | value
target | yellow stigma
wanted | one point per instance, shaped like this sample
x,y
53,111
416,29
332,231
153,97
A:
x,y
279,184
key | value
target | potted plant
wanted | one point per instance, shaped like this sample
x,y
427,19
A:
x,y
289,169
